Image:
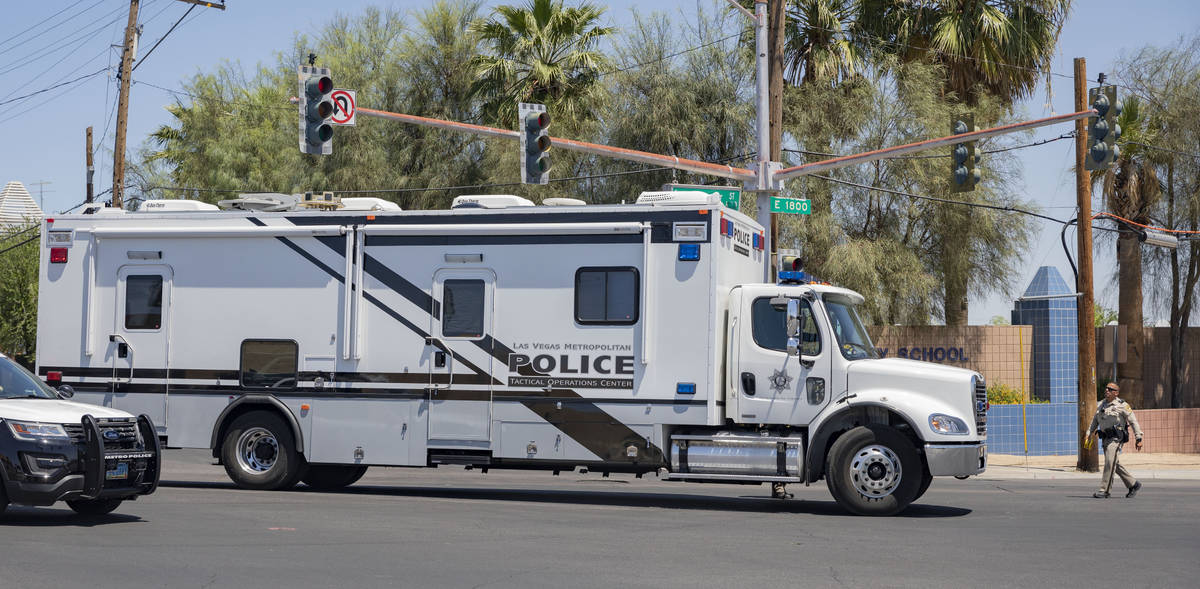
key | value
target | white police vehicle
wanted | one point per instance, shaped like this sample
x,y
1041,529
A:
x,y
53,449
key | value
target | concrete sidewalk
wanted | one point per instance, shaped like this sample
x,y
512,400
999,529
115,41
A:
x,y
1141,464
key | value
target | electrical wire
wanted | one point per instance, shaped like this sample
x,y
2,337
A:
x,y
673,55
69,19
43,90
1150,227
55,47
160,39
1157,148
8,249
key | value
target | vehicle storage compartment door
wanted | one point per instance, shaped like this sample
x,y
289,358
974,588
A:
x,y
459,357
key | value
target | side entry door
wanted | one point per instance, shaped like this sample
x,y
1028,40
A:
x,y
459,356
140,345
774,387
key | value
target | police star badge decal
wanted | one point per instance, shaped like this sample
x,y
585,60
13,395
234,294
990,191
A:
x,y
780,380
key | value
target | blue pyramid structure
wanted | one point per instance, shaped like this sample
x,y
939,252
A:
x,y
1055,336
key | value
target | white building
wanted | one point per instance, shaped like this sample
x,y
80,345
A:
x,y
17,206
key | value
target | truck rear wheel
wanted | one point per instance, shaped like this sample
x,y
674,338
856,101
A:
x,y
331,477
3,497
873,470
259,452
94,506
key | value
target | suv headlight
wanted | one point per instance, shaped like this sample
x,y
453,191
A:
x,y
948,425
34,431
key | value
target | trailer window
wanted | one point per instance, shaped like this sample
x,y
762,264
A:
x,y
606,296
143,301
770,327
465,303
269,364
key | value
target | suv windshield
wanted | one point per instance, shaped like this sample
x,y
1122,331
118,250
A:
x,y
18,383
852,337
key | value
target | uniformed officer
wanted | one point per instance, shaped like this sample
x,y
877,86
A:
x,y
1110,422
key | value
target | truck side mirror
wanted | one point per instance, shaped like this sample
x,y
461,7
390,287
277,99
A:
x,y
65,392
793,327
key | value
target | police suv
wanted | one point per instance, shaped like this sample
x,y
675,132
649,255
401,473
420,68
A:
x,y
53,449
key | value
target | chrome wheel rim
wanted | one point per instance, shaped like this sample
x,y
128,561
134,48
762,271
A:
x,y
875,471
258,450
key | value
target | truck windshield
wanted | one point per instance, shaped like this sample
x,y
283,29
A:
x,y
852,337
18,383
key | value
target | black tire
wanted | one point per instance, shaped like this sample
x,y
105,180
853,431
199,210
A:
x,y
873,470
259,452
94,507
926,479
3,497
331,477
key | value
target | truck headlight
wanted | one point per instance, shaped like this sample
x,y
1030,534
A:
x,y
945,424
34,431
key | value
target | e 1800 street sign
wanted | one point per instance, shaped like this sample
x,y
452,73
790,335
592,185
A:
x,y
795,206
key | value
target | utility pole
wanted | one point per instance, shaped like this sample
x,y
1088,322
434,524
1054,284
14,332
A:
x,y
91,170
777,17
1086,309
118,185
763,127
41,193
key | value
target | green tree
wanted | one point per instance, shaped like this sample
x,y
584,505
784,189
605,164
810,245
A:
x,y
18,292
541,52
1104,316
1166,82
820,45
987,47
1131,189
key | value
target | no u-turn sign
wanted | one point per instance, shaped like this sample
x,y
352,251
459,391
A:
x,y
343,107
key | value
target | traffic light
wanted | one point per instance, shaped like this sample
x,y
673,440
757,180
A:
x,y
964,164
316,108
1103,130
535,142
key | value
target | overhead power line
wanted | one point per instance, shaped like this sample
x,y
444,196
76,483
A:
x,y
673,55
59,85
160,39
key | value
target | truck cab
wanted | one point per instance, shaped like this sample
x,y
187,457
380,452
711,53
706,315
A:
x,y
803,372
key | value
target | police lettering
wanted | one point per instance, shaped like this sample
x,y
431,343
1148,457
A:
x,y
566,364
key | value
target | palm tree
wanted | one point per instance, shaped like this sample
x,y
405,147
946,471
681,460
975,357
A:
x,y
541,52
994,46
819,41
1131,188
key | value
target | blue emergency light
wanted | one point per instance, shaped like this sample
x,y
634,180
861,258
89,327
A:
x,y
689,252
686,388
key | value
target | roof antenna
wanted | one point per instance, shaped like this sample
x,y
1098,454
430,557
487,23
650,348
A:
x,y
312,59
1101,78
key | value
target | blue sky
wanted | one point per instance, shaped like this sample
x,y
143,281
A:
x,y
44,135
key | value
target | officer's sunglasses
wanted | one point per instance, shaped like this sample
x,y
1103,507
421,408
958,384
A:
x,y
1110,389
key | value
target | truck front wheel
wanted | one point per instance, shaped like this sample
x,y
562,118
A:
x,y
873,470
259,452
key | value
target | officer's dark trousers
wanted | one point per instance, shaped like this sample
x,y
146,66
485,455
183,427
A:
x,y
1111,461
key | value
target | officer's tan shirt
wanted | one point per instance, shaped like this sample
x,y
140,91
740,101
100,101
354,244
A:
x,y
1117,413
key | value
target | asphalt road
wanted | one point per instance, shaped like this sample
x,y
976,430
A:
x,y
454,528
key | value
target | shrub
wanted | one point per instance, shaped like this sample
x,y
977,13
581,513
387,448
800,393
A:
x,y
1003,394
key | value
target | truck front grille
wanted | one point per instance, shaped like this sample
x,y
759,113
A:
x,y
981,404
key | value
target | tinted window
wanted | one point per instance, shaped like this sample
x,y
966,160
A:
x,y
770,327
463,303
606,296
143,302
269,364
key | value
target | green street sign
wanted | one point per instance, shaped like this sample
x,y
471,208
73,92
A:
x,y
795,206
730,196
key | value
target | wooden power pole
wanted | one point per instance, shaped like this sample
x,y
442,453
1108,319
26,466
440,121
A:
x,y
1086,309
118,185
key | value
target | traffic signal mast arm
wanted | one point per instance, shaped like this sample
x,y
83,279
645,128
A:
x,y
645,157
870,156
726,171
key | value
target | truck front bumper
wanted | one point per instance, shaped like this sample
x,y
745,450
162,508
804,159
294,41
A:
x,y
958,460
38,474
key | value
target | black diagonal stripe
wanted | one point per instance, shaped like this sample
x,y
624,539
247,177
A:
x,y
601,433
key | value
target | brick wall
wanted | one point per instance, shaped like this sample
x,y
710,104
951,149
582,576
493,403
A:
x,y
1170,430
1001,353
1156,369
